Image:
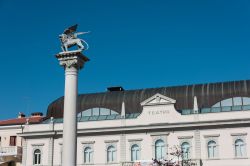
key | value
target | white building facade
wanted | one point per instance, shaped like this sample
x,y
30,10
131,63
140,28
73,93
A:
x,y
210,123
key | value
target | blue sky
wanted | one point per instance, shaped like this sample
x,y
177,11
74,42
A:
x,y
135,44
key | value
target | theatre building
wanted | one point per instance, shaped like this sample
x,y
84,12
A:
x,y
209,122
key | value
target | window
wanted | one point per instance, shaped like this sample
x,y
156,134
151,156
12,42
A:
x,y
88,155
227,102
239,148
135,152
212,148
185,147
12,140
37,157
159,149
236,101
96,112
111,154
246,100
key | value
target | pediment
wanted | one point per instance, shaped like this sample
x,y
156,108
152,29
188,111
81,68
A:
x,y
158,99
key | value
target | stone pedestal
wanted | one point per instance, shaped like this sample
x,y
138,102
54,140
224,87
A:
x,y
72,61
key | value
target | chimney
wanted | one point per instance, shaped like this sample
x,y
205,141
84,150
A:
x,y
21,115
115,89
36,114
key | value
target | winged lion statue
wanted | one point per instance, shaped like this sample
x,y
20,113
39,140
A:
x,y
69,38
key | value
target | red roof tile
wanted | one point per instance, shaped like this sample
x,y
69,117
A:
x,y
19,121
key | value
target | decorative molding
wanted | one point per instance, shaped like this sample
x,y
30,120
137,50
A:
x,y
72,59
238,134
70,63
158,99
159,134
87,142
39,144
211,135
41,133
111,141
161,126
135,140
185,137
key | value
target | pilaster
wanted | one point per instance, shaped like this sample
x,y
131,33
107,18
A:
x,y
197,139
123,148
51,149
24,153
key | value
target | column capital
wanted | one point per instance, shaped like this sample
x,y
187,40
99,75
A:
x,y
72,59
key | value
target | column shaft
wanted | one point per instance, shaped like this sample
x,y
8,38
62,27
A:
x,y
70,118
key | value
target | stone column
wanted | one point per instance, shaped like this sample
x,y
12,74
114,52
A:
x,y
72,61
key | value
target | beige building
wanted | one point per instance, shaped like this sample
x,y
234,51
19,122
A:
x,y
10,143
209,122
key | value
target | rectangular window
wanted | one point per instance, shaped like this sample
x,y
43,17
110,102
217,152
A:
x,y
12,140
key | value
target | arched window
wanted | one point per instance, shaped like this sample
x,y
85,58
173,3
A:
x,y
159,149
185,147
88,155
212,148
239,148
37,157
111,154
96,112
135,152
235,101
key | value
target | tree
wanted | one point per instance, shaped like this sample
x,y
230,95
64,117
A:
x,y
176,158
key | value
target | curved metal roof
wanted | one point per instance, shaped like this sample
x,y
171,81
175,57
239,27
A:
x,y
207,95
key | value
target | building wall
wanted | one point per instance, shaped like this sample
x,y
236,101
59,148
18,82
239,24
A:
x,y
5,133
158,120
41,144
146,141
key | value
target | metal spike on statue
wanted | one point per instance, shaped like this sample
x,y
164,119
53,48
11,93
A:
x,y
69,38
